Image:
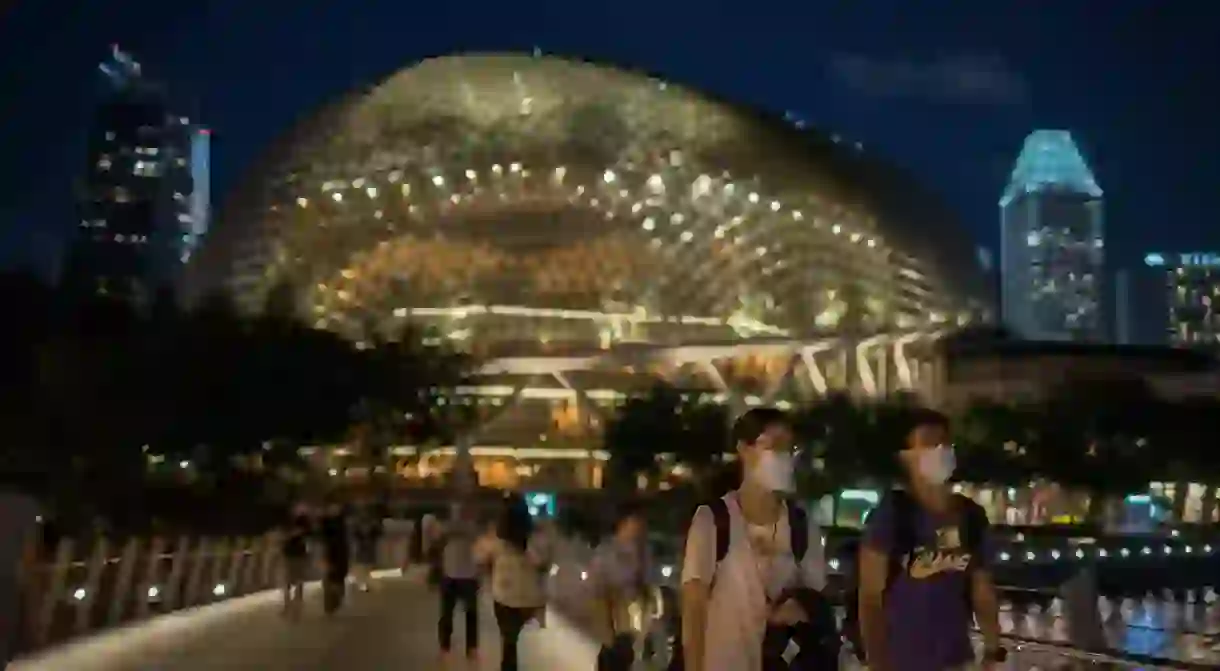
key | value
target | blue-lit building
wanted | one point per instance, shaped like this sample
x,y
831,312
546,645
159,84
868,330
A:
x,y
201,192
1052,249
1178,295
140,212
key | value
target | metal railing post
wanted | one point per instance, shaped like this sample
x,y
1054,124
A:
x,y
97,563
152,573
55,590
240,547
271,563
122,583
175,590
220,553
198,564
249,574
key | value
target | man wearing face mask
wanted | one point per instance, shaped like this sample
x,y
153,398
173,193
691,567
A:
x,y
923,565
745,551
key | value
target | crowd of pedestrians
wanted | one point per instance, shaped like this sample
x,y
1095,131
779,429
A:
x,y
331,536
510,553
753,576
754,571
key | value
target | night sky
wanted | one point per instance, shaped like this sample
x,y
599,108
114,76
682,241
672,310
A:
x,y
946,92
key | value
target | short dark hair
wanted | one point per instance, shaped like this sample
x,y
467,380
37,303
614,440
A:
x,y
915,418
627,510
927,417
755,422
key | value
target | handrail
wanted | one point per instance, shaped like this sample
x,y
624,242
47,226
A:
x,y
85,588
1020,645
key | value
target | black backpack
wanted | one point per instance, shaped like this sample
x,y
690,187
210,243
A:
x,y
972,525
798,525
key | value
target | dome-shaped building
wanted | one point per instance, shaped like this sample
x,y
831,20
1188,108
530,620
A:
x,y
533,207
513,200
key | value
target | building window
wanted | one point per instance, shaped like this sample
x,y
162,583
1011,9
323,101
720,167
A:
x,y
147,169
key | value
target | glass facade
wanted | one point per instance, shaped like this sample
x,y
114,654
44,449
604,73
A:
x,y
137,189
530,204
1192,291
1052,243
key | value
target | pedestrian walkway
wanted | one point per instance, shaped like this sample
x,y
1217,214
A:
x,y
392,628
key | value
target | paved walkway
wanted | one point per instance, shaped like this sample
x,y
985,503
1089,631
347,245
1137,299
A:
x,y
390,629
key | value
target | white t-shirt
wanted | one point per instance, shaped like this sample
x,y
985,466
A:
x,y
757,567
516,576
458,559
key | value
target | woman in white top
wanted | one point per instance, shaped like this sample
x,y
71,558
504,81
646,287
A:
x,y
726,607
518,567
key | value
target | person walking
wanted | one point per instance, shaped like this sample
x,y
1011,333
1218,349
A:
x,y
745,553
517,570
459,582
619,574
337,554
924,578
366,536
295,554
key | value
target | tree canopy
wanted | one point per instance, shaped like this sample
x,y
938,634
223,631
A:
x,y
95,391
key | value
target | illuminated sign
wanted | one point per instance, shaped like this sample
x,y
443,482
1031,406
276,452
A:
x,y
541,504
1208,259
1191,259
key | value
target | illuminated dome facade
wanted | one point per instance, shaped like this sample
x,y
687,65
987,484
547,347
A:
x,y
524,204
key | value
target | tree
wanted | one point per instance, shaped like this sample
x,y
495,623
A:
x,y
665,420
1096,435
991,440
848,443
643,428
407,385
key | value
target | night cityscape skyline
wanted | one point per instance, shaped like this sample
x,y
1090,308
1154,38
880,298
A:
x,y
1129,109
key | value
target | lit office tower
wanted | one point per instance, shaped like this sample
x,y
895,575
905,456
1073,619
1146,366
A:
x,y
201,192
1051,238
1190,284
136,203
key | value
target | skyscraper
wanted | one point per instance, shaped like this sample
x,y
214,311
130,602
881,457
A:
x,y
136,205
1052,243
201,191
1189,301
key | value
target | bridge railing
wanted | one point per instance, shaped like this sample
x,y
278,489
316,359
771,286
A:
x,y
571,593
90,585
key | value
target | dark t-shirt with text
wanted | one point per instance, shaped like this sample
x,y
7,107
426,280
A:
x,y
927,611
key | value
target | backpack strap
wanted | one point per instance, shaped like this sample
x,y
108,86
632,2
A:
x,y
798,525
973,526
902,513
720,515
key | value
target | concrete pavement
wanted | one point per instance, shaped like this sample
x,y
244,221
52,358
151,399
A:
x,y
392,628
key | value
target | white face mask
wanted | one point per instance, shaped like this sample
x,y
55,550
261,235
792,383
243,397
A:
x,y
773,472
937,464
